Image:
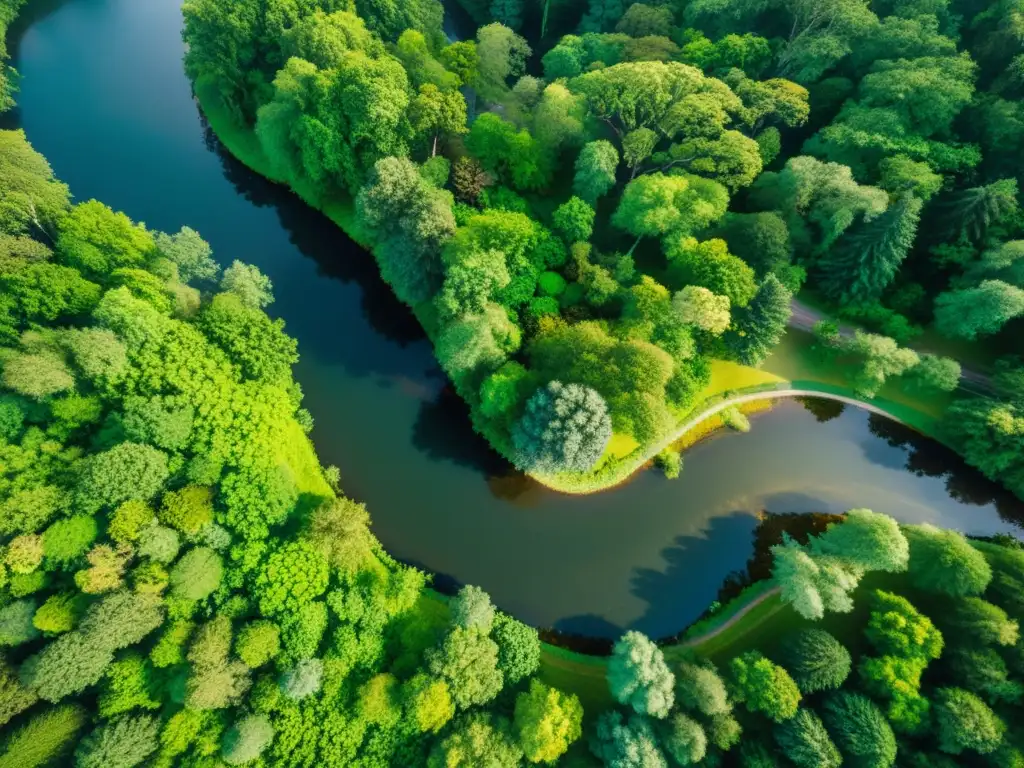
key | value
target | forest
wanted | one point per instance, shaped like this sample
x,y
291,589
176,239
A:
x,y
182,583
587,205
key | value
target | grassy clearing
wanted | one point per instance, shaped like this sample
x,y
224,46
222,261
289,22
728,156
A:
x,y
714,423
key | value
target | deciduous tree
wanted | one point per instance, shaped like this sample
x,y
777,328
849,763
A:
x,y
639,677
565,428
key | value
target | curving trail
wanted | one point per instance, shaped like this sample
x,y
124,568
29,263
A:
x,y
770,394
596,668
682,429
731,621
804,318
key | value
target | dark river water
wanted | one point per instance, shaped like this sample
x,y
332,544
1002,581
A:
x,y
104,97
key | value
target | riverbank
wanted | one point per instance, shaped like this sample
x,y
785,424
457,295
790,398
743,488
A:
x,y
714,405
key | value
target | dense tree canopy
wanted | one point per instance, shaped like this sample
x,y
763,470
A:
x,y
180,580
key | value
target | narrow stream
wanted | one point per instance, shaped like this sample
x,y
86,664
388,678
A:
x,y
104,97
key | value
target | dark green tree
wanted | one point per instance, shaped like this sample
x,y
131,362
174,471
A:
x,y
865,260
860,730
804,740
816,660
758,327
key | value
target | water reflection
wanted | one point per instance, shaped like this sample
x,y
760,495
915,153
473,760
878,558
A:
x,y
929,458
318,238
824,410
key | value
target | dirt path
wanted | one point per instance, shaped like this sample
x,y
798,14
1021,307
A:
x,y
804,318
594,669
731,621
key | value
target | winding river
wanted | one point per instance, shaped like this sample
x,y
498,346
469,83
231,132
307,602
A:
x,y
105,99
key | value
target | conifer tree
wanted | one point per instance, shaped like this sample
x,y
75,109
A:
x,y
759,327
866,259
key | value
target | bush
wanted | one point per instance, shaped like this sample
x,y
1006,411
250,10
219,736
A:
x,y
733,418
551,284
671,463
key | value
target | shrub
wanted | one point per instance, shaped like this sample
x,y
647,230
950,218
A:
x,y
551,284
671,463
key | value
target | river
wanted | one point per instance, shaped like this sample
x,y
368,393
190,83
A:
x,y
104,97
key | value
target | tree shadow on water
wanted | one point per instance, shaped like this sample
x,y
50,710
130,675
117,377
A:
x,y
794,502
589,625
336,255
696,566
823,409
930,458
443,432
